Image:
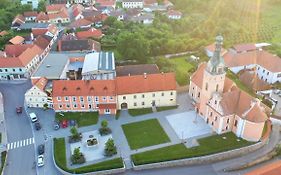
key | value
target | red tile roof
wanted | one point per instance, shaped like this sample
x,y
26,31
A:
x,y
174,13
54,7
19,19
91,33
10,62
3,33
244,47
29,54
41,42
106,3
197,76
148,83
15,50
262,58
80,23
84,88
30,14
17,40
41,83
62,14
37,32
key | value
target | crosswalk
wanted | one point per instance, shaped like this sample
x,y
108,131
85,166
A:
x,y
21,143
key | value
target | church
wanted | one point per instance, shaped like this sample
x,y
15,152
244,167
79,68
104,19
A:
x,y
222,104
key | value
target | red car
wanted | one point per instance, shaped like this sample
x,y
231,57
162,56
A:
x,y
19,110
64,124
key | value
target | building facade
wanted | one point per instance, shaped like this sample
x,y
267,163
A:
x,y
34,3
221,104
132,4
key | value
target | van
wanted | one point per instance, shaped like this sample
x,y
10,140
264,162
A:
x,y
33,117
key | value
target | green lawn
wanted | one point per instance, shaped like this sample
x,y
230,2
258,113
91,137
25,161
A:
x,y
145,133
3,159
208,145
142,111
182,67
60,158
82,118
165,108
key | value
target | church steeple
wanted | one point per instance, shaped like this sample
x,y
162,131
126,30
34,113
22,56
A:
x,y
216,63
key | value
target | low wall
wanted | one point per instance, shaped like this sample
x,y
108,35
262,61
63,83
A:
x,y
203,159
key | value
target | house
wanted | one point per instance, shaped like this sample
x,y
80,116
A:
x,y
91,33
251,80
146,91
86,2
174,14
84,95
81,24
30,16
131,70
266,65
99,66
77,10
22,66
132,4
34,3
221,104
79,45
38,95
17,40
210,49
144,18
33,25
55,13
17,21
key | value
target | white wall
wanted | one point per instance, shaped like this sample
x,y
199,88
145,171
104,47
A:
x,y
34,97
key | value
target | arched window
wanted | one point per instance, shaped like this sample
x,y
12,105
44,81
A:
x,y
206,87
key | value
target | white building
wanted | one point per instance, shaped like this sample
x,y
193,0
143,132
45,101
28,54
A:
x,y
173,14
132,4
266,65
37,96
146,91
34,3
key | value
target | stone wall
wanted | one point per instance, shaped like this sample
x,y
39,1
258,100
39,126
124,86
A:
x,y
203,159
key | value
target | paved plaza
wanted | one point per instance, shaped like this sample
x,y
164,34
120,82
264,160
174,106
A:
x,y
188,125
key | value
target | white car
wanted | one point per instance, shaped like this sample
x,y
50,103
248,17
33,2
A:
x,y
33,117
40,160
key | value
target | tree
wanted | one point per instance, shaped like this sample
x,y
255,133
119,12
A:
x,y
104,124
104,130
110,148
77,157
74,133
41,6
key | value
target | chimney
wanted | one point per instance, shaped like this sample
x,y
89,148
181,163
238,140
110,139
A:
x,y
144,75
31,36
129,74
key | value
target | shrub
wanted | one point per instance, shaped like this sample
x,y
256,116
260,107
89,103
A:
x,y
104,131
110,148
75,136
77,157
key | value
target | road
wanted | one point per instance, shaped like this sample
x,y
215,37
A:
x,y
20,158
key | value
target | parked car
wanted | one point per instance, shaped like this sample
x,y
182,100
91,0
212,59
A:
x,y
37,126
41,149
19,110
33,117
40,160
72,122
64,124
56,125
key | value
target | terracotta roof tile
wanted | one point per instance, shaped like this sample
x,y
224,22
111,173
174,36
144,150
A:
x,y
41,42
17,40
250,79
106,3
10,62
30,14
29,54
37,32
80,23
148,83
54,7
84,88
197,76
41,83
91,33
255,114
244,47
15,50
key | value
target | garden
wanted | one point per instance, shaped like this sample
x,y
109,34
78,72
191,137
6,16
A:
x,y
209,145
82,118
145,133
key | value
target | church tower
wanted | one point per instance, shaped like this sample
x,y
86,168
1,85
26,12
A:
x,y
214,74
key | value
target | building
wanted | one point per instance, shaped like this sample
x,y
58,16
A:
x,y
91,33
81,24
99,66
221,104
266,65
17,21
131,70
34,3
38,95
55,13
144,18
106,4
173,14
85,95
146,91
132,4
240,48
79,45
30,16
17,40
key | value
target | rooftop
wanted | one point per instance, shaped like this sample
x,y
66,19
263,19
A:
x,y
99,61
137,69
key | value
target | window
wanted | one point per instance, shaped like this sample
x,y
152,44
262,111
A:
x,y
206,86
66,98
60,106
135,96
96,99
90,106
227,120
59,98
143,96
226,128
75,105
111,98
142,103
104,98
258,68
97,106
0,70
89,99
217,88
15,70
73,98
82,106
162,94
135,104
171,93
263,71
81,99
216,118
235,123
211,113
192,95
198,94
215,102
6,70
267,73
124,97
212,123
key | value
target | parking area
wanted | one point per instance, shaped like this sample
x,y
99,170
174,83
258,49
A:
x,y
188,125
